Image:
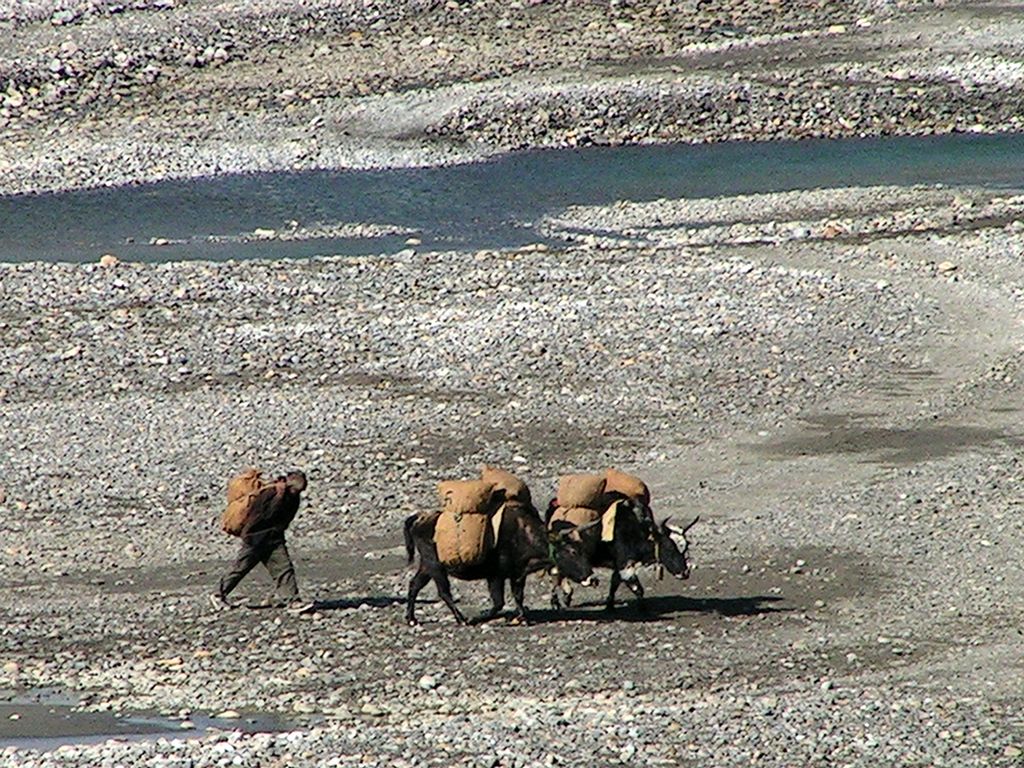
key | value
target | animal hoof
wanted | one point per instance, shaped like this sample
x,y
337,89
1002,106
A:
x,y
412,622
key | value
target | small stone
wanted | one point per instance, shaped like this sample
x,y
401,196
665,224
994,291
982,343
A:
x,y
946,266
108,260
264,234
228,714
428,682
1012,751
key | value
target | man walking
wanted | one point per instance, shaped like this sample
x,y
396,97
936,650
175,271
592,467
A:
x,y
270,514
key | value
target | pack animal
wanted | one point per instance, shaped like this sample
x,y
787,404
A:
x,y
523,546
636,540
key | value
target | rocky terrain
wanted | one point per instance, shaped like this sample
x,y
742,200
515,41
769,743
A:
x,y
830,378
113,93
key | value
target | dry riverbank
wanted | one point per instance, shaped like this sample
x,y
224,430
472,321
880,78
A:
x,y
112,94
831,379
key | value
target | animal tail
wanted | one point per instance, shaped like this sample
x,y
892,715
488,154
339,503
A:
x,y
410,547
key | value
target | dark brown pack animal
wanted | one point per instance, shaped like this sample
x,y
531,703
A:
x,y
524,546
635,541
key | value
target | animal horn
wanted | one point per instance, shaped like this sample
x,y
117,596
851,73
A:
x,y
691,524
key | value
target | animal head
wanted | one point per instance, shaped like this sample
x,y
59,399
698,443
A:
x,y
568,551
295,481
673,547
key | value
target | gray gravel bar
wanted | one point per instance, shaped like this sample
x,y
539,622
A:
x,y
831,378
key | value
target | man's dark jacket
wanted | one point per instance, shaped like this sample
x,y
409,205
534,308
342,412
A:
x,y
272,510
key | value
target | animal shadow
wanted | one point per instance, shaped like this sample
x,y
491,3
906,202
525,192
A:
x,y
662,607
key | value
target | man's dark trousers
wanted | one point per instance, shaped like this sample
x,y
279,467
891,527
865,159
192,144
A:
x,y
267,547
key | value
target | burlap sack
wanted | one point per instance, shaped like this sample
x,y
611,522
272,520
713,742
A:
x,y
574,515
463,538
465,496
463,534
514,488
242,490
581,491
628,485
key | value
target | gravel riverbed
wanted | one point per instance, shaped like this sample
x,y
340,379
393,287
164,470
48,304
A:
x,y
830,378
840,411
102,93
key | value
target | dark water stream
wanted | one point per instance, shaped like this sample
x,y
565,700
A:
x,y
44,719
483,205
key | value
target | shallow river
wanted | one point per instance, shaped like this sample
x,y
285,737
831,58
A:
x,y
484,205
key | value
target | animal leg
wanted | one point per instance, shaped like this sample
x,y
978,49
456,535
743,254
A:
x,y
518,588
567,592
444,591
561,593
637,589
496,585
416,583
616,579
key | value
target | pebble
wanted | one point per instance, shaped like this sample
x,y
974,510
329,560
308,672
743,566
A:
x,y
428,682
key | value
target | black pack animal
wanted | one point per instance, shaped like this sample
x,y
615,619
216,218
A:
x,y
637,540
524,546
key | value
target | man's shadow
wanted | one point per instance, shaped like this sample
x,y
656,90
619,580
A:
x,y
348,603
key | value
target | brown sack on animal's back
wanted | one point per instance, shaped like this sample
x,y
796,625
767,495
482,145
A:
x,y
582,491
242,491
465,495
575,515
514,488
628,485
463,532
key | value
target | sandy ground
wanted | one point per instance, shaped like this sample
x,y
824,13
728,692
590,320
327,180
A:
x,y
840,404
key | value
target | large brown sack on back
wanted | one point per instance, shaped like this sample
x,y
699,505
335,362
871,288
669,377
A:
x,y
581,491
575,515
466,496
514,488
463,538
242,490
463,534
628,485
